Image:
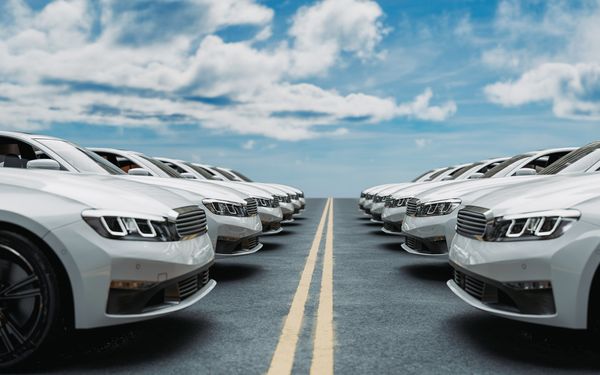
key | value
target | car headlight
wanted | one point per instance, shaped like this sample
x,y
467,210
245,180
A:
x,y
131,226
392,202
437,208
542,225
225,208
266,202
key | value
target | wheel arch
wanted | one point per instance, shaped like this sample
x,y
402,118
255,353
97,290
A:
x,y
66,293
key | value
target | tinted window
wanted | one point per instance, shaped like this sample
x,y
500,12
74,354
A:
x,y
570,158
80,158
162,166
438,173
241,176
226,174
504,164
201,171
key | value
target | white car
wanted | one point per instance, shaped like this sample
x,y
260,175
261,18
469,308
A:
x,y
440,175
467,172
288,206
233,221
530,253
269,211
520,165
232,233
296,195
90,251
429,232
368,193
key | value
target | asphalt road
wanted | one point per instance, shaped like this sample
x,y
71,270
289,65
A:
x,y
392,313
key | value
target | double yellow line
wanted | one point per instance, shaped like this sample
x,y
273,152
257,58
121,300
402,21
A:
x,y
323,343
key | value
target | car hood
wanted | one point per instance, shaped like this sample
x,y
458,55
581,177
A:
x,y
558,192
418,187
267,187
203,189
246,188
284,187
393,187
97,191
473,188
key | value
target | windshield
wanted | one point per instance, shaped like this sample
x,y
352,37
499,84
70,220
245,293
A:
x,y
464,169
162,166
421,176
201,171
563,164
81,159
504,164
225,173
438,173
241,176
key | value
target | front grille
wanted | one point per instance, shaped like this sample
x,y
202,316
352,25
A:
x,y
411,206
275,201
412,243
252,242
471,223
479,289
251,206
190,221
192,284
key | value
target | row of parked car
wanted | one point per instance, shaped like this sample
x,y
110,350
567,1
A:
x,y
521,233
99,237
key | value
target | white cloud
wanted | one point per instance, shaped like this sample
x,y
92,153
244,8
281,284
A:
x,y
559,65
71,62
421,109
323,30
249,144
422,142
573,89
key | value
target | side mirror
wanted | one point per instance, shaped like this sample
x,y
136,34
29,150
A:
x,y
138,172
47,164
188,175
476,176
447,178
526,172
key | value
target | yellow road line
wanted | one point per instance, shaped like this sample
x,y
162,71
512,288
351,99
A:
x,y
283,358
323,345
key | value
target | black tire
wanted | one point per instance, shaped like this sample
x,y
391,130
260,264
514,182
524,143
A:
x,y
29,299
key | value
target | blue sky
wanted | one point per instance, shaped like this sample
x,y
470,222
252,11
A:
x,y
331,96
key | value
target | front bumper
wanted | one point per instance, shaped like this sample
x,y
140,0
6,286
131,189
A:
x,y
390,227
92,262
394,215
232,228
568,263
429,235
233,247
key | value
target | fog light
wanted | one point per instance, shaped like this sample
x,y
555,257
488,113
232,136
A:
x,y
131,284
530,285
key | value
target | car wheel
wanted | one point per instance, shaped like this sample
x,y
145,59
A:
x,y
29,298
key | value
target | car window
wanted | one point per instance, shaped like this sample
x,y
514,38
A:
x,y
505,164
545,161
461,171
201,171
15,153
438,173
421,176
79,158
228,175
122,163
173,166
241,176
564,163
162,166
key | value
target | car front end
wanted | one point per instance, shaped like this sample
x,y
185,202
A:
x,y
534,267
428,225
